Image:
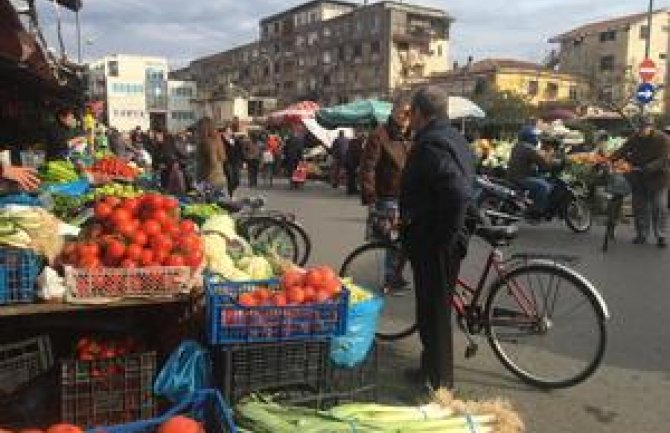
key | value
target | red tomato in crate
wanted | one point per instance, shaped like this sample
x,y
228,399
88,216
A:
x,y
147,258
296,295
170,227
64,428
129,229
120,217
159,215
161,242
151,227
102,210
322,297
128,264
187,226
181,424
115,250
292,278
133,252
195,259
310,294
248,300
112,201
170,204
175,260
140,238
131,205
152,202
262,295
280,300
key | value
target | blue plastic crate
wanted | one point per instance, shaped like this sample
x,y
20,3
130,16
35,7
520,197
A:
x,y
229,322
206,406
19,269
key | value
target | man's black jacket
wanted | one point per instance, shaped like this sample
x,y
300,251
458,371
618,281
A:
x,y
436,190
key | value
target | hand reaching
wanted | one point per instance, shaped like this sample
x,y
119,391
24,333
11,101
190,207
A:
x,y
25,177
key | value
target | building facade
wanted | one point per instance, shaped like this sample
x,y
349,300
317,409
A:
x,y
539,85
608,54
333,52
136,92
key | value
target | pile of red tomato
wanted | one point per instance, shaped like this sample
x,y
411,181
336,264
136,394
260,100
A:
x,y
145,231
175,424
93,348
114,167
298,287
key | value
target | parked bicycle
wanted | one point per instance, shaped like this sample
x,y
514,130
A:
x,y
545,322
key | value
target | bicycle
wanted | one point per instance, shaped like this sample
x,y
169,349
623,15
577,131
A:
x,y
618,189
510,311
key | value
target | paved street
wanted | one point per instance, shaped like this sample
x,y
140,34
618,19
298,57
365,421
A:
x,y
631,391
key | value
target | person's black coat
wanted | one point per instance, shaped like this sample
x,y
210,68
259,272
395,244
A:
x,y
436,189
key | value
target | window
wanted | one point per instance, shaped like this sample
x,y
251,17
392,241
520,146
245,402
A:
x,y
533,88
326,32
551,91
312,38
662,56
113,68
313,17
299,41
276,27
376,24
375,47
573,93
358,51
577,42
644,32
607,63
340,53
326,58
439,50
277,48
327,80
301,61
358,26
608,36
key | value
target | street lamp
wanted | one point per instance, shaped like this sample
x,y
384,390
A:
x,y
647,48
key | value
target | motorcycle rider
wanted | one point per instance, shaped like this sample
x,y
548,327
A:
x,y
527,161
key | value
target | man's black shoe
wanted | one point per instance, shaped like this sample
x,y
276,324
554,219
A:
x,y
662,243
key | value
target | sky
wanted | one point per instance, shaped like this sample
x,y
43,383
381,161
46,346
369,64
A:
x,y
183,30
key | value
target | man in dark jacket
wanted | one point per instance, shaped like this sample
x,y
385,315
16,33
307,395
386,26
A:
x,y
353,161
434,201
649,153
338,152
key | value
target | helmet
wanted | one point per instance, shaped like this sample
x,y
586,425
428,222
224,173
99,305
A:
x,y
529,135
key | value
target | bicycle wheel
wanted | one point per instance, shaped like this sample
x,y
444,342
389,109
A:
x,y
367,266
546,325
272,234
303,241
578,215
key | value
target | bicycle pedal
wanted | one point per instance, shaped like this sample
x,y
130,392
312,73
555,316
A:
x,y
471,351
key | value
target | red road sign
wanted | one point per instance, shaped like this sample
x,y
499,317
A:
x,y
647,70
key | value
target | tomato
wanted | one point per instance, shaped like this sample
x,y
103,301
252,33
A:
x,y
112,201
133,252
247,300
296,295
333,286
159,215
97,231
174,260
120,217
147,258
187,226
161,242
152,202
64,428
140,238
310,294
327,273
170,204
315,278
131,205
280,300
194,259
102,210
180,424
321,297
170,227
262,295
152,228
128,264
129,228
293,277
89,263
115,250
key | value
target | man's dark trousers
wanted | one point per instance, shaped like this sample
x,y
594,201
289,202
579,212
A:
x,y
435,274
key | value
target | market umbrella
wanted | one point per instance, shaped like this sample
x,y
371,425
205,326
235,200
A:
x,y
369,111
294,113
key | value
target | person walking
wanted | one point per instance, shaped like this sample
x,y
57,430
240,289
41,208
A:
x,y
233,163
353,161
211,155
435,196
338,153
251,152
648,151
293,153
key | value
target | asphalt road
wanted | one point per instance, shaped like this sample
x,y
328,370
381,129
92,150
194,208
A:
x,y
629,393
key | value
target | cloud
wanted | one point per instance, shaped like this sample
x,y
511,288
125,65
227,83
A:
x,y
183,30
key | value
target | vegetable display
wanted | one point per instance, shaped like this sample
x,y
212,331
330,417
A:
x,y
201,211
58,172
114,167
138,232
444,414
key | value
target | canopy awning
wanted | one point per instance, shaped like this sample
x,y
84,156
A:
x,y
294,113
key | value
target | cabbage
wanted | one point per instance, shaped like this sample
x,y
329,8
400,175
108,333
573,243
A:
x,y
259,268
223,224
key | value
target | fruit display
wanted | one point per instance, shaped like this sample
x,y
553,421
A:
x,y
113,189
113,167
94,348
58,172
138,232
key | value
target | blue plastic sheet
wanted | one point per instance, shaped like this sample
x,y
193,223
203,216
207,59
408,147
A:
x,y
353,347
186,371
20,199
72,189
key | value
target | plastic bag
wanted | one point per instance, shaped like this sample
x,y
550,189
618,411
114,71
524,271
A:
x,y
352,348
71,189
186,371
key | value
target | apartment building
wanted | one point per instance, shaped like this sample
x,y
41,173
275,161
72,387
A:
x,y
539,85
608,54
136,92
333,51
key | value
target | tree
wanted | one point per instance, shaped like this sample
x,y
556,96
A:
x,y
506,112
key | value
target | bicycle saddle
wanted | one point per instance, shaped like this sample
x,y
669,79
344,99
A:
x,y
497,236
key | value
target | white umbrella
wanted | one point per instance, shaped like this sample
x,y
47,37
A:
x,y
326,136
461,108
